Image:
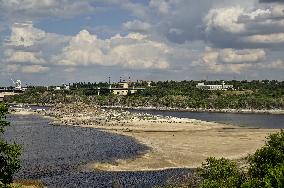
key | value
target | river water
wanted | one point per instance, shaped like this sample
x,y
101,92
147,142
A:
x,y
269,121
53,155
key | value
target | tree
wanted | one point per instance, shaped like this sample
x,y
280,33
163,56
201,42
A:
x,y
9,153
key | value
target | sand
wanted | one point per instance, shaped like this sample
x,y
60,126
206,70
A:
x,y
184,145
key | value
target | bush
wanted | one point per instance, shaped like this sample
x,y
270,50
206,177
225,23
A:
x,y
220,173
265,168
9,153
267,157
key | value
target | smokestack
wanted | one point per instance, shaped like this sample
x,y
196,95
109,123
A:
x,y
109,80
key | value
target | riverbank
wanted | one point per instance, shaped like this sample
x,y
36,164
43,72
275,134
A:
x,y
174,142
243,111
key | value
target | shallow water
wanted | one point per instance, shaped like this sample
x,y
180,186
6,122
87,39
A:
x,y
269,121
52,154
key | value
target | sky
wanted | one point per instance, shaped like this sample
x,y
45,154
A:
x,y
52,42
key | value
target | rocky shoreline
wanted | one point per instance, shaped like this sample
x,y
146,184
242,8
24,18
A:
x,y
243,111
86,115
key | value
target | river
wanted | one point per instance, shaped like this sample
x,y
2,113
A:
x,y
53,155
269,121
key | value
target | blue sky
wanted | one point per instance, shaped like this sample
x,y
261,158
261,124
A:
x,y
62,41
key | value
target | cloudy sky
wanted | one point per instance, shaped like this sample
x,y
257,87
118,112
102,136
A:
x,y
62,41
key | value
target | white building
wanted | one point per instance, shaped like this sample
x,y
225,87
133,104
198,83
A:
x,y
124,89
214,87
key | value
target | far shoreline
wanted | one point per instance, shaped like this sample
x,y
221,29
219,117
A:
x,y
233,111
170,109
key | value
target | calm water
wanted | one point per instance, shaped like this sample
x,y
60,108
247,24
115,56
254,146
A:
x,y
248,120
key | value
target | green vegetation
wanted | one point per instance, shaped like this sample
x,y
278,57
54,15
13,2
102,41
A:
x,y
265,168
9,153
249,95
221,173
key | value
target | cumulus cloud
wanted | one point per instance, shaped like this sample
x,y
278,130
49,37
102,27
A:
x,y
34,9
232,56
23,57
132,51
241,56
271,1
243,27
24,34
162,6
276,64
225,19
28,48
34,69
266,39
168,35
229,60
137,26
27,68
239,20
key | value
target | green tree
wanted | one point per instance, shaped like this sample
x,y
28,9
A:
x,y
9,153
265,168
220,173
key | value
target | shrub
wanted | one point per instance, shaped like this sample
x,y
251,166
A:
x,y
220,173
265,168
9,153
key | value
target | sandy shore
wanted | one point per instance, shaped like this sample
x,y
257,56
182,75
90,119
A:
x,y
174,142
185,145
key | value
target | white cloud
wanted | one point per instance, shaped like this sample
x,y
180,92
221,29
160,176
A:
x,y
34,9
23,57
28,44
241,56
232,56
137,26
132,51
229,60
24,34
225,19
276,64
266,39
34,69
27,68
245,26
161,5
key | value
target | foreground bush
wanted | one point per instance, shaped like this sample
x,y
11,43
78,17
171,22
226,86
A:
x,y
220,173
265,168
9,153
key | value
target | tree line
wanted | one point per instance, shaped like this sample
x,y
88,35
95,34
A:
x,y
254,94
